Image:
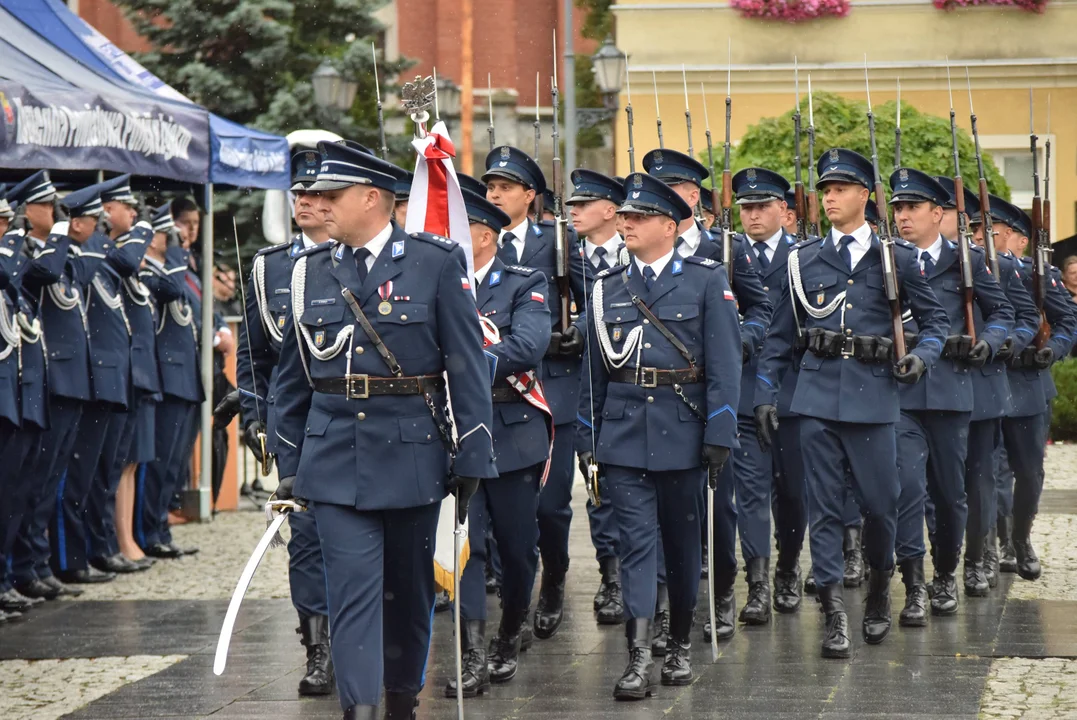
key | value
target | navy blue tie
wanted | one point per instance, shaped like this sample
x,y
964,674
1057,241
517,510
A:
x,y
600,255
507,253
761,253
360,263
929,264
844,250
648,277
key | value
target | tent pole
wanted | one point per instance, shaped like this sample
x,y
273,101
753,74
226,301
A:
x,y
199,501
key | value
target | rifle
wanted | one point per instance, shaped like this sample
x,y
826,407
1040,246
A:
x,y
490,106
561,277
813,196
658,112
537,203
1047,182
802,231
886,240
985,198
381,117
727,177
897,130
691,150
710,147
1039,236
631,120
964,237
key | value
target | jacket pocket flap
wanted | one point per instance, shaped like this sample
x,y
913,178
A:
x,y
317,422
320,316
418,429
678,312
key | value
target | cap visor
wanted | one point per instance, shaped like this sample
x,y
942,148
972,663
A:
x,y
909,198
641,210
327,185
757,199
302,185
507,175
842,177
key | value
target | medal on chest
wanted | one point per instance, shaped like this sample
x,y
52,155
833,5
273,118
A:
x,y
385,291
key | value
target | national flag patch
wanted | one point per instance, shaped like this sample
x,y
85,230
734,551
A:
x,y
465,284
728,295
538,297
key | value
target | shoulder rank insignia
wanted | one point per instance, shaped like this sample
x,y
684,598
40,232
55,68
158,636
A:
x,y
520,269
705,262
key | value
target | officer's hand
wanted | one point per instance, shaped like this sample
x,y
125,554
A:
x,y
745,351
1005,351
284,491
554,347
715,457
766,425
463,488
909,369
979,354
572,342
252,441
586,461
1043,358
911,339
226,409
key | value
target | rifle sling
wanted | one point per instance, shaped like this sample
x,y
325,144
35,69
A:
x,y
646,311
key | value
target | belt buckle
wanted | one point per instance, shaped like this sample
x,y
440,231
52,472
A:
x,y
652,373
848,347
349,387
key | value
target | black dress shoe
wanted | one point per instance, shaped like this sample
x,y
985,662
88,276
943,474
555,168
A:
x,y
610,611
315,638
914,614
1028,564
86,576
62,590
991,558
725,614
756,610
677,665
442,601
550,610
787,590
944,598
189,550
636,682
492,583
14,601
41,589
836,632
474,673
854,558
9,616
1007,560
115,564
877,620
976,584
809,582
503,657
162,551
145,563
660,625
400,706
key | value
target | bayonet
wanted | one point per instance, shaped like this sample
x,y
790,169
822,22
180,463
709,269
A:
x,y
381,116
631,120
813,197
490,107
964,237
658,112
798,188
985,198
727,177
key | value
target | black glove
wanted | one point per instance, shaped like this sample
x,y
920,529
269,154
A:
x,y
979,354
554,348
463,488
571,342
909,369
252,441
284,491
715,457
911,339
1005,351
745,352
766,425
1043,358
226,409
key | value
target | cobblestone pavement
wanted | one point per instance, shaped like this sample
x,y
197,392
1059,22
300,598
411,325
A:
x,y
1005,657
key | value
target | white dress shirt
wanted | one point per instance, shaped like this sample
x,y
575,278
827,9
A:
x,y
480,273
375,245
934,251
658,265
772,244
611,247
692,237
858,249
519,234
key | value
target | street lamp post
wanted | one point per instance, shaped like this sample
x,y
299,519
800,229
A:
x,y
331,89
609,65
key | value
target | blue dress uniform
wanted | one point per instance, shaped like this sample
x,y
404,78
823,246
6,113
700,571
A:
x,y
181,388
560,380
258,353
847,393
590,186
933,432
992,401
346,423
674,168
655,413
513,299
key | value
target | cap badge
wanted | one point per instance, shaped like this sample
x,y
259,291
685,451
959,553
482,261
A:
x,y
637,181
903,175
834,155
751,175
505,152
658,157
311,157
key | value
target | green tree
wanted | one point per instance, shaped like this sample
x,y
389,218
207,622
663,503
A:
x,y
599,22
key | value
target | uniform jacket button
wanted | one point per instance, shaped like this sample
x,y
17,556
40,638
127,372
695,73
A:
x,y
361,416
650,398
359,350
850,281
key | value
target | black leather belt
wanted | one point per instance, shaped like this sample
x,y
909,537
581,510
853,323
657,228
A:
x,y
506,395
653,377
360,387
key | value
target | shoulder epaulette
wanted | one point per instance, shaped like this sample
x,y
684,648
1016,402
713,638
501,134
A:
x,y
442,242
615,270
321,247
808,243
705,262
520,270
273,248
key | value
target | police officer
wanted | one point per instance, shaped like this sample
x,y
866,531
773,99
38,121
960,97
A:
x,y
789,217
260,337
1024,431
593,206
181,384
686,175
933,431
380,317
512,181
402,191
847,387
512,302
992,401
664,380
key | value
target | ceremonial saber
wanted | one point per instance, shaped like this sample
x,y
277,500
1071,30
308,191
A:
x,y
458,542
710,573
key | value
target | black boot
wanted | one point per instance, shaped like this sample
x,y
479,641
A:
x,y
757,610
877,606
725,609
492,583
442,601
944,600
361,712
660,627
854,558
1028,564
974,576
809,582
609,602
914,614
636,682
319,677
1007,560
991,558
400,706
550,610
787,581
836,633
474,673
677,666
504,655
